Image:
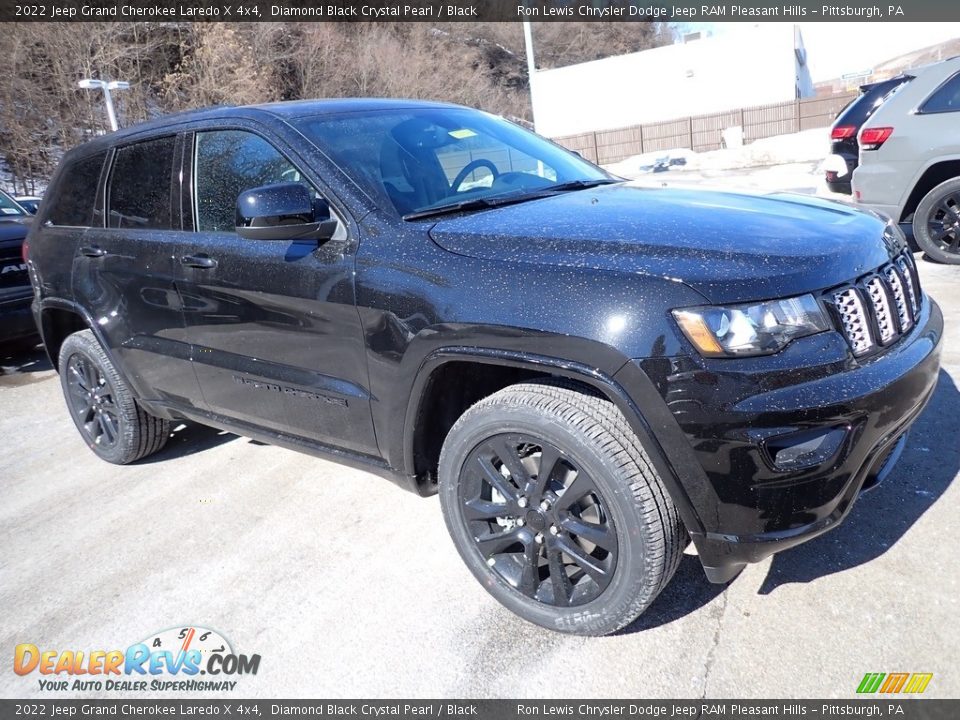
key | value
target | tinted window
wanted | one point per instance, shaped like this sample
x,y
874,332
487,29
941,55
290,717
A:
x,y
415,159
227,162
140,185
872,97
73,200
8,206
946,98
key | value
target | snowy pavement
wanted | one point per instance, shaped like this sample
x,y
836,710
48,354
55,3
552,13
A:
x,y
790,163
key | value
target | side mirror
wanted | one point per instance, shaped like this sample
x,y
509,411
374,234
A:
x,y
284,211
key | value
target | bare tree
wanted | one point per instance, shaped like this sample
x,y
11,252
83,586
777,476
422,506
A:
x,y
175,66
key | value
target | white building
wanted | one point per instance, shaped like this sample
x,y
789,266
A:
x,y
752,65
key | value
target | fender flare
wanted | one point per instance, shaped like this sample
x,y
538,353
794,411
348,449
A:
x,y
911,187
598,379
50,303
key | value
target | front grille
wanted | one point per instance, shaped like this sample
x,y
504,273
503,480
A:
x,y
880,307
899,298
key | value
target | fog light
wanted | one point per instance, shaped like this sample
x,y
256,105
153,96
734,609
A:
x,y
805,449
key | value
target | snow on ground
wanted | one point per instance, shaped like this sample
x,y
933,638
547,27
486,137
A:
x,y
806,146
782,163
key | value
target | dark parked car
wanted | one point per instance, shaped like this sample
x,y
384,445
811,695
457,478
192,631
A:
x,y
844,149
16,321
590,374
30,203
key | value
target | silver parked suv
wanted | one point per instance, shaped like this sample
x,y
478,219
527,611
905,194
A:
x,y
910,159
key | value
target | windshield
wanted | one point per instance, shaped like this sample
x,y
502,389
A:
x,y
8,205
415,159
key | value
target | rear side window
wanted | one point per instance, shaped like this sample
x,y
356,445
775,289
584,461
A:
x,y
140,185
72,201
860,110
946,98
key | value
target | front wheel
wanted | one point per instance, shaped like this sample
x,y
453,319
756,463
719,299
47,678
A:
x,y
556,509
104,410
936,223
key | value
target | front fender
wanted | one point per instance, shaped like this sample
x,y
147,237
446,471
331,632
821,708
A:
x,y
639,405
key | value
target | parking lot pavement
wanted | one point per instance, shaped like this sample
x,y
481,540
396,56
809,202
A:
x,y
349,587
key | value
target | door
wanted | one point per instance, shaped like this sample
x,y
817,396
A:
x,y
123,272
275,329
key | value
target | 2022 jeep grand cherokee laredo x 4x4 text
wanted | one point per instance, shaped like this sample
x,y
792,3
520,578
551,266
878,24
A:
x,y
589,373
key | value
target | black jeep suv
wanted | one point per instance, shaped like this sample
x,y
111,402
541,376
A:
x,y
588,373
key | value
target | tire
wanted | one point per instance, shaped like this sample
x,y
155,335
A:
x,y
104,410
936,223
495,520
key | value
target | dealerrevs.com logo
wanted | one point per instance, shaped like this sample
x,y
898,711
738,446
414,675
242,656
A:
x,y
182,659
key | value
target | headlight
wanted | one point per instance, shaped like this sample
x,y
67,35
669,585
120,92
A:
x,y
752,329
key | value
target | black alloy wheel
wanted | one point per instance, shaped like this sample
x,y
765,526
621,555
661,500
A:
x,y
104,409
943,223
556,509
538,520
936,223
91,399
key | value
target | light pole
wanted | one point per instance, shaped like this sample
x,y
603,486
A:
x,y
106,86
531,65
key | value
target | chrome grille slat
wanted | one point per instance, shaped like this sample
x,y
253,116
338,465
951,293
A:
x,y
899,298
854,319
880,307
906,270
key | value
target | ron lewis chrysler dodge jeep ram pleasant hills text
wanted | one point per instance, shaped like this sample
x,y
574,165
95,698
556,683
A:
x,y
590,374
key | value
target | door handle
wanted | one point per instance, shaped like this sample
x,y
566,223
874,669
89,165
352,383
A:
x,y
92,251
204,262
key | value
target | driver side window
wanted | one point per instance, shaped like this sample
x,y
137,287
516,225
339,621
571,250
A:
x,y
227,162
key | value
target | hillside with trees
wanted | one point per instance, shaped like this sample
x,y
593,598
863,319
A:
x,y
178,66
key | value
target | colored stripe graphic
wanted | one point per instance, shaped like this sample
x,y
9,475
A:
x,y
894,682
870,682
918,682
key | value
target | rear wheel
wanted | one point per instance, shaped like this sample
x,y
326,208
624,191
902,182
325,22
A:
x,y
936,222
104,410
556,509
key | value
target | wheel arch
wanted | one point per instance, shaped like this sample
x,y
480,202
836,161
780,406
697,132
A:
x,y
933,175
58,320
425,428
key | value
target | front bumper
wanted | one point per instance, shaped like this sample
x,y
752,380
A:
x,y
726,411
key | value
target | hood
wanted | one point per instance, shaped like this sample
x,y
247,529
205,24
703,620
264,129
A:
x,y
728,246
13,228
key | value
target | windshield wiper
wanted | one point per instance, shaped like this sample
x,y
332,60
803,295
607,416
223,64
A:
x,y
482,203
472,204
579,185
